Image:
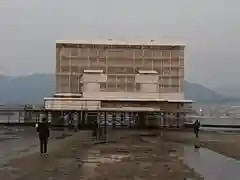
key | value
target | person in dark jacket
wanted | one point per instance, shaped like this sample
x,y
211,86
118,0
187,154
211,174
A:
x,y
95,129
196,127
43,132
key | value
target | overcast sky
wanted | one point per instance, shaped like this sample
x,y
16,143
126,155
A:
x,y
209,28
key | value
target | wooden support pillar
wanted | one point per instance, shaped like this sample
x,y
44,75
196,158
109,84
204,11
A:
x,y
80,120
141,120
135,119
164,119
122,119
130,119
83,119
178,119
8,118
161,119
19,115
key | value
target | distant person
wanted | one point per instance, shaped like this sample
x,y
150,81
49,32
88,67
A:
x,y
95,129
43,132
196,128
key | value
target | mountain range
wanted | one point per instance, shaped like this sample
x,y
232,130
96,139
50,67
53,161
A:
x,y
33,88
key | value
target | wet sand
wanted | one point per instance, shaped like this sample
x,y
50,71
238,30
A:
x,y
211,165
135,156
227,144
128,155
19,142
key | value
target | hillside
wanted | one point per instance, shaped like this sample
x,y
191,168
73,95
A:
x,y
201,93
26,89
33,88
229,90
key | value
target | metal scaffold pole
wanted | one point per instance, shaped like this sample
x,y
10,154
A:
x,y
98,134
105,127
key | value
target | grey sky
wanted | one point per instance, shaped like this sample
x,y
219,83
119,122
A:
x,y
209,28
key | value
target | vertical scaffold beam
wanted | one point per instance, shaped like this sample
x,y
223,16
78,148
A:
x,y
98,135
105,127
114,120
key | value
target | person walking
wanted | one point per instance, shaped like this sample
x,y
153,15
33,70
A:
x,y
95,129
196,128
43,133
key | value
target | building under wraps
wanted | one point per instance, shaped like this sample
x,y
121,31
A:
x,y
128,84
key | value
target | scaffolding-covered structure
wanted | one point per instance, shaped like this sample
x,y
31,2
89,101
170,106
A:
x,y
120,81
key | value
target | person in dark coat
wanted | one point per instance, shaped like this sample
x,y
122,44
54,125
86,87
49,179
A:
x,y
196,128
43,132
95,128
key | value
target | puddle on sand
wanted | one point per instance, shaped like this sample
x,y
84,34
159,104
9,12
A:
x,y
94,159
211,165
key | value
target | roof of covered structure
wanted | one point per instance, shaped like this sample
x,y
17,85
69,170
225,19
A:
x,y
122,42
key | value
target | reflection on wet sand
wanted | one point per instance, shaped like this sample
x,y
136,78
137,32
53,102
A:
x,y
211,165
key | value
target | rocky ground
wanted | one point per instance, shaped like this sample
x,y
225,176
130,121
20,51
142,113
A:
x,y
127,155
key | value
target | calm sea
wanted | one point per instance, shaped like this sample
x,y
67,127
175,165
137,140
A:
x,y
221,121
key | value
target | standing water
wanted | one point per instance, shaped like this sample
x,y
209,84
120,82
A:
x,y
211,165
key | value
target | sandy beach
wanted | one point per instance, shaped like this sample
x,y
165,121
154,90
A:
x,y
127,155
